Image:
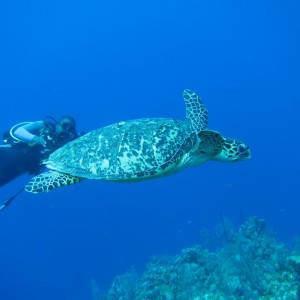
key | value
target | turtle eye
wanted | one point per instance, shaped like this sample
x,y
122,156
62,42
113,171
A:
x,y
243,148
244,151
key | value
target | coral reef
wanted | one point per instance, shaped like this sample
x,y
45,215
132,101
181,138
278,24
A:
x,y
251,265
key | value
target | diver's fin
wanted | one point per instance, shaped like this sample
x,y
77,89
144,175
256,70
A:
x,y
10,199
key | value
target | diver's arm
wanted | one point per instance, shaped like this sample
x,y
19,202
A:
x,y
27,133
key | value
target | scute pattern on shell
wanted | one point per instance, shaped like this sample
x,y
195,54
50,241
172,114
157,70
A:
x,y
133,149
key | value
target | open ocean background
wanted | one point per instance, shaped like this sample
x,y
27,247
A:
x,y
106,61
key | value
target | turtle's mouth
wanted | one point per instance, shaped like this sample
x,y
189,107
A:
x,y
236,151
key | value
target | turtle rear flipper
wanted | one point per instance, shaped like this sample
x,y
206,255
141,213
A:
x,y
211,143
50,180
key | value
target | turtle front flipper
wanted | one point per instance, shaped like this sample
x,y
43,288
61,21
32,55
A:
x,y
50,180
196,111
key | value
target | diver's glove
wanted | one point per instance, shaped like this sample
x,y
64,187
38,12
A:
x,y
38,140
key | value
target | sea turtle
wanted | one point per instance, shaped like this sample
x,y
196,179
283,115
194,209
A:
x,y
139,149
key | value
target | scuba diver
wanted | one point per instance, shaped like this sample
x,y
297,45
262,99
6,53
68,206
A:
x,y
27,144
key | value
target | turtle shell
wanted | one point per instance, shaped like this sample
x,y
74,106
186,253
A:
x,y
134,150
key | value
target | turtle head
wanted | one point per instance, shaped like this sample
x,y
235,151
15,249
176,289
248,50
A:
x,y
233,150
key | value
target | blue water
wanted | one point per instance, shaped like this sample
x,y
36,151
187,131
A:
x,y
106,61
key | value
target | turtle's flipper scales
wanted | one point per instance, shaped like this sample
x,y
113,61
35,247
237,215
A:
x,y
50,180
196,111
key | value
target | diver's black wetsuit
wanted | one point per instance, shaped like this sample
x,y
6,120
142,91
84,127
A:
x,y
19,159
